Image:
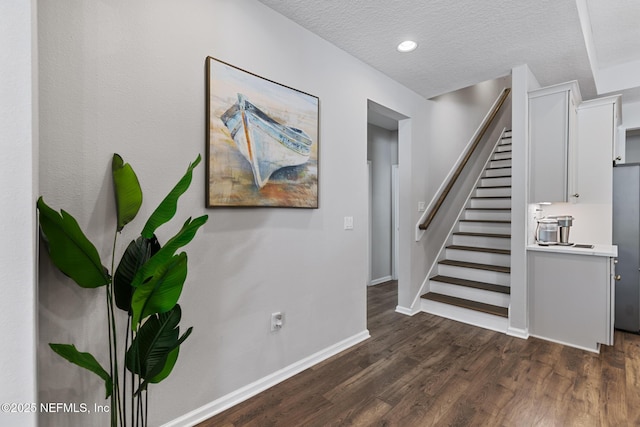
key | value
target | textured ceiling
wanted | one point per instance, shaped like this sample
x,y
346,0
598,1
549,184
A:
x,y
461,42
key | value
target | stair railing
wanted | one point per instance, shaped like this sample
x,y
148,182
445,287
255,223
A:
x,y
485,126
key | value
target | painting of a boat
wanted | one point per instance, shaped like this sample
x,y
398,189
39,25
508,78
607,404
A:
x,y
262,141
266,144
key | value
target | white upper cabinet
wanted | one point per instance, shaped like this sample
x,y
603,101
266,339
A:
x,y
598,122
552,131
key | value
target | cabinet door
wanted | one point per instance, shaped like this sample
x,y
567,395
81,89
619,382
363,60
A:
x,y
594,166
548,141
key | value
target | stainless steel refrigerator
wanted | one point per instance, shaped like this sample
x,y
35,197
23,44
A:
x,y
626,234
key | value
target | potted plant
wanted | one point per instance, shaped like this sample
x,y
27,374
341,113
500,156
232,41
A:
x,y
145,285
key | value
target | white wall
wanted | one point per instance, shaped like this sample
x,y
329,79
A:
x,y
383,153
523,82
128,77
18,183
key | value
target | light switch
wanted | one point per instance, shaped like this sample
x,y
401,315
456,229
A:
x,y
348,223
421,207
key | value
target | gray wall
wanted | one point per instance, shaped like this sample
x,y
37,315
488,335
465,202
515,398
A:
x,y
383,153
128,77
632,147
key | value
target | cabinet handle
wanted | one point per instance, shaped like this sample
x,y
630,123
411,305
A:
x,y
617,277
575,195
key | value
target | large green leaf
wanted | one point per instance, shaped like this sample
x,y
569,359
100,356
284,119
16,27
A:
x,y
69,248
127,191
172,358
84,360
155,341
167,208
183,237
161,293
137,253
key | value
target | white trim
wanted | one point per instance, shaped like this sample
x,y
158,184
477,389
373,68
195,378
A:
x,y
225,402
592,350
370,218
381,280
420,233
406,311
518,333
395,222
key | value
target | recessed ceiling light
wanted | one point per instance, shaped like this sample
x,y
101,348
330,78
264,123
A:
x,y
407,46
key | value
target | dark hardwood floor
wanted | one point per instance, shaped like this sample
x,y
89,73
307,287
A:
x,y
428,371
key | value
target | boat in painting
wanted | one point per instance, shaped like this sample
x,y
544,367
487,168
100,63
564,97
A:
x,y
266,144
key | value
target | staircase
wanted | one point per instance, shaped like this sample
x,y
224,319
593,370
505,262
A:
x,y
472,283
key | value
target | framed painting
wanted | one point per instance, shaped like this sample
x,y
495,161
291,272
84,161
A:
x,y
262,141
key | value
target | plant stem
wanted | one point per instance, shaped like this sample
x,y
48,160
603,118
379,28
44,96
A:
x,y
124,375
113,336
113,414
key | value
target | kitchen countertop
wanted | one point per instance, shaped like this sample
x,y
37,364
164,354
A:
x,y
598,250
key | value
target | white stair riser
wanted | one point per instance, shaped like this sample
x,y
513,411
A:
x,y
485,227
493,192
483,242
501,155
490,203
491,215
499,163
503,147
474,274
487,182
497,172
479,257
471,317
472,294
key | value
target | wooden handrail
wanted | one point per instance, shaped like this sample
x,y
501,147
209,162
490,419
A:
x,y
434,210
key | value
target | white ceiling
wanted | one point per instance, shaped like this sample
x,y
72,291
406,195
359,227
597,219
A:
x,y
464,42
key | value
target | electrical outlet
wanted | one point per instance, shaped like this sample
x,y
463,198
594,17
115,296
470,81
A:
x,y
277,321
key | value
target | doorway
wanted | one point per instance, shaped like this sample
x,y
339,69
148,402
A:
x,y
383,167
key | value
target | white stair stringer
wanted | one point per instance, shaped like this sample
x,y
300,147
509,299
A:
x,y
472,281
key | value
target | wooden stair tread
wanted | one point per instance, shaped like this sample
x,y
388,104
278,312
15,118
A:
x,y
499,160
472,284
477,266
479,249
491,197
493,186
498,167
488,209
491,221
492,235
497,176
472,305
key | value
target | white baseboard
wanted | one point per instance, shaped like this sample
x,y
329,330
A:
x,y
518,333
381,280
595,349
408,311
225,402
